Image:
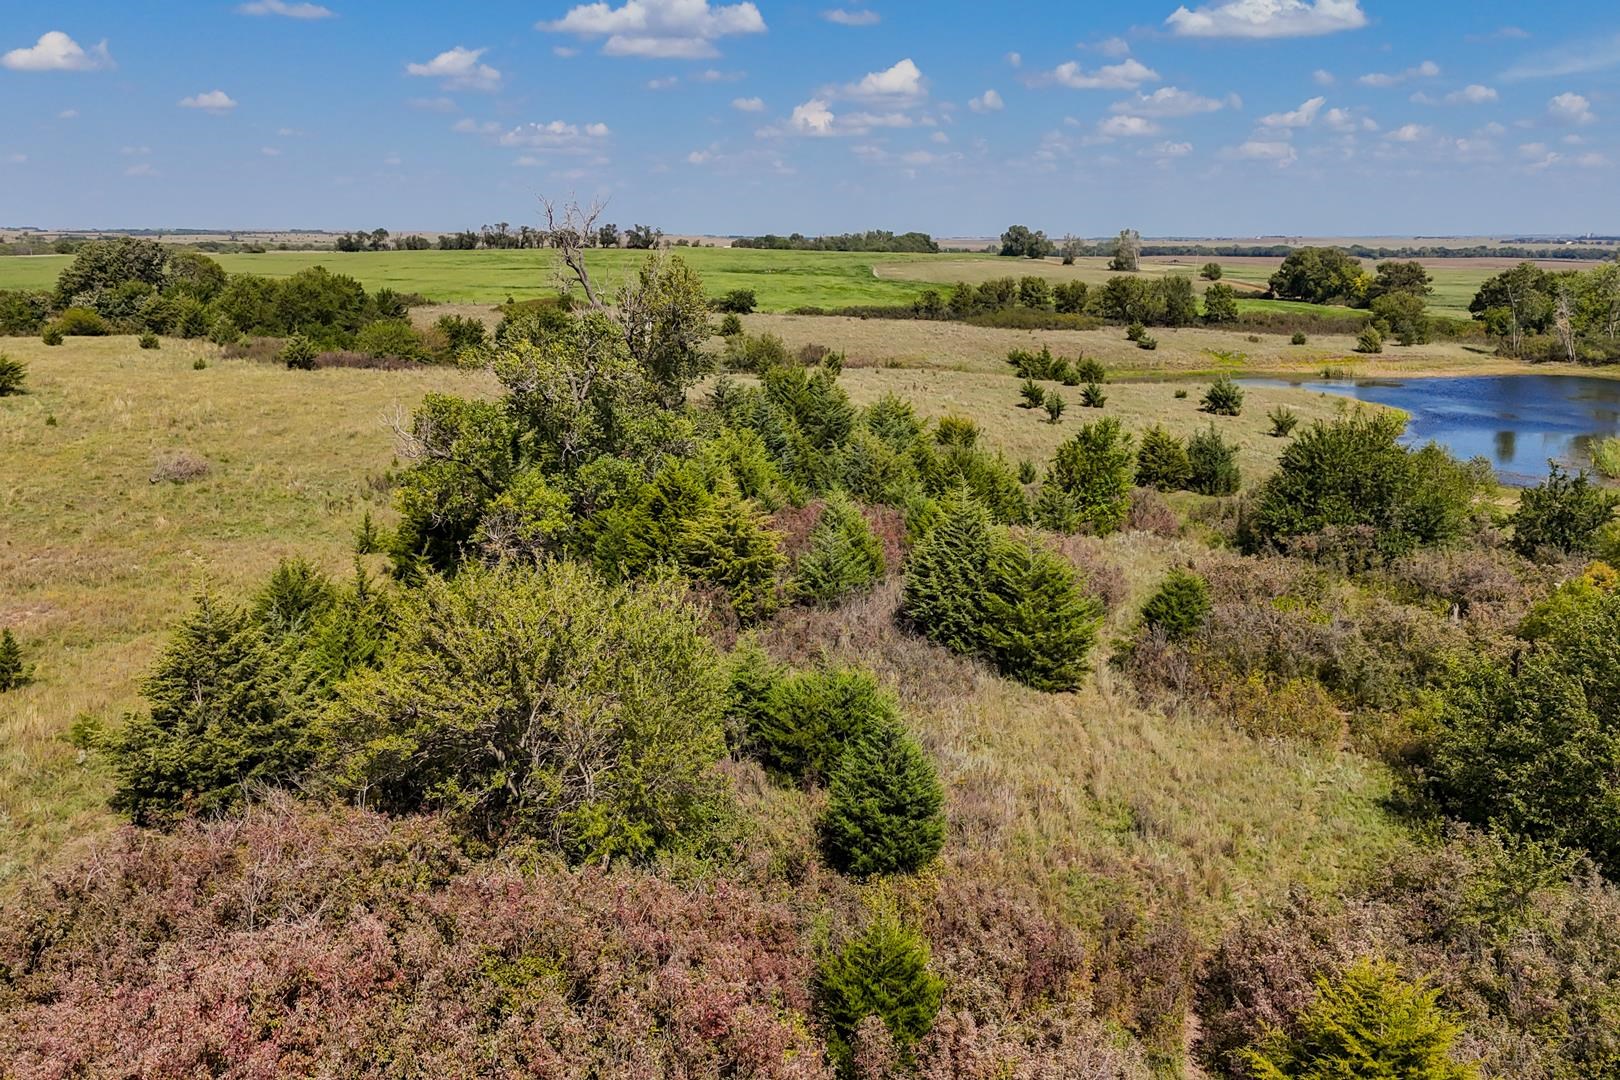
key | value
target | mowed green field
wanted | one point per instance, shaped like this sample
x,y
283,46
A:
x,y
781,280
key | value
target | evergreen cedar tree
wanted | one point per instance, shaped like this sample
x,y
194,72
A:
x,y
1088,484
1561,515
1161,461
885,805
882,972
798,723
1180,606
845,556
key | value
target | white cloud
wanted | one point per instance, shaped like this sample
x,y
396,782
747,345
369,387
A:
x,y
1172,149
748,104
214,101
1571,109
135,151
814,117
460,69
1347,121
1323,77
55,51
1167,101
1304,116
903,80
436,104
699,157
1115,47
939,137
1408,133
1538,157
281,7
856,17
666,29
1015,59
662,84
1580,58
142,169
564,51
713,75
68,114
1472,94
558,136
1282,153
1426,70
1127,75
468,126
989,101
1268,18
1127,127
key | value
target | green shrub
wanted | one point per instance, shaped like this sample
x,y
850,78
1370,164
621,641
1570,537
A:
x,y
1211,271
954,430
80,322
730,326
1220,304
883,973
1213,464
1027,473
150,341
13,671
224,332
1562,514
1181,395
218,721
1161,461
23,313
199,364
1135,332
728,544
1092,396
299,353
845,556
539,702
1352,476
885,805
1055,405
13,374
1223,398
461,332
1147,342
53,335
1039,623
947,575
799,724
1370,341
1087,370
1283,421
393,339
1606,457
1299,338
1367,1023
754,353
737,302
1032,393
1088,483
1180,607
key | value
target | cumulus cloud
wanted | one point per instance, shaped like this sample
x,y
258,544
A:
x,y
1304,116
557,136
666,29
68,114
1126,75
748,104
1127,127
1408,133
664,83
852,17
1426,70
1276,150
1323,77
1015,59
1472,94
55,51
1171,149
1268,19
1167,101
214,101
989,101
713,75
1571,109
814,117
903,80
290,11
460,69
1347,121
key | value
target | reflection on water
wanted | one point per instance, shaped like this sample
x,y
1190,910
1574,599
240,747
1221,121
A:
x,y
1517,422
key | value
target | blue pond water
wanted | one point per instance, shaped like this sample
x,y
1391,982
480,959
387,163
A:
x,y
1516,422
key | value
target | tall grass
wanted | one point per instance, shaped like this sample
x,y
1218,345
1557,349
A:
x,y
1606,457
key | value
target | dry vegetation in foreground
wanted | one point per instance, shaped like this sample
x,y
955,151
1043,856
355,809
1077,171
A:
x,y
101,553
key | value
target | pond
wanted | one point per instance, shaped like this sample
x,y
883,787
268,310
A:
x,y
1517,422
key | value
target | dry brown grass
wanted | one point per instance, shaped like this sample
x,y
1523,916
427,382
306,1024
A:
x,y
96,562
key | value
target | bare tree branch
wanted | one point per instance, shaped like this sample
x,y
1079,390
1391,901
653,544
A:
x,y
569,233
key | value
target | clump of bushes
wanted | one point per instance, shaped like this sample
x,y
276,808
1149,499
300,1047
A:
x,y
736,302
1223,398
80,322
1561,515
392,339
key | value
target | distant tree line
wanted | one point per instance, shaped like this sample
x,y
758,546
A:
x,y
1569,315
871,240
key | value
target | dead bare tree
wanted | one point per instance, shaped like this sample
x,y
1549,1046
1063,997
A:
x,y
569,228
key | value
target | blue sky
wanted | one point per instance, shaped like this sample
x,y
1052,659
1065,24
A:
x,y
1233,117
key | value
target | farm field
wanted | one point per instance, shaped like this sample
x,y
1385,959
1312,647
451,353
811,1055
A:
x,y
782,280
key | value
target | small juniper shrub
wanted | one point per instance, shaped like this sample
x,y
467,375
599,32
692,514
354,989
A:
x,y
1181,395
1161,461
1180,607
299,353
1135,332
1299,338
1055,405
1223,398
13,671
199,364
1214,464
1283,421
150,341
1092,396
1027,472
1087,369
731,325
1147,342
13,376
1370,341
1034,397
883,972
844,556
1040,623
1088,483
885,805
52,335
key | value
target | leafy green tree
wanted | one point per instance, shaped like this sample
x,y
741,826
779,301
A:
x,y
1069,297
1180,301
13,671
1180,606
1088,483
462,458
1220,304
1320,275
798,725
1127,252
102,265
391,339
883,972
1161,461
1212,463
845,556
885,805
1211,271
1020,242
536,701
665,319
1368,1024
1409,278
947,574
1039,623
1405,315
218,722
1562,514
729,544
